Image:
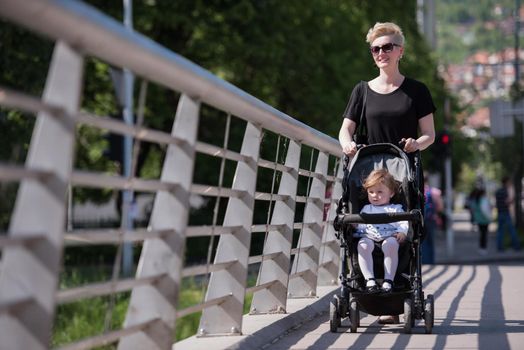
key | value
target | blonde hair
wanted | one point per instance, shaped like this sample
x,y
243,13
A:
x,y
381,176
383,29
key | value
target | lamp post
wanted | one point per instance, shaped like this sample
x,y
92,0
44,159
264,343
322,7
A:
x,y
515,97
128,195
446,141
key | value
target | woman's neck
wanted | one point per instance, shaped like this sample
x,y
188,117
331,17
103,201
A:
x,y
387,82
390,78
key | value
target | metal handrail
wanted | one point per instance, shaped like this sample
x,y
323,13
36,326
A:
x,y
89,32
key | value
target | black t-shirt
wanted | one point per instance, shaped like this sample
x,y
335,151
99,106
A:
x,y
393,116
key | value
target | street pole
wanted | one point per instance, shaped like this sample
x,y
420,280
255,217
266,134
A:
x,y
517,43
516,97
450,237
127,195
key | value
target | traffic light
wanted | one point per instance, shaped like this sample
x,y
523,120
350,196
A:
x,y
442,145
444,139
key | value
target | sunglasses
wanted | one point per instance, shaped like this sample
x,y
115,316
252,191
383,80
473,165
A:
x,y
386,48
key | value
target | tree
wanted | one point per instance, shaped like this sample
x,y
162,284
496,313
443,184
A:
x,y
303,59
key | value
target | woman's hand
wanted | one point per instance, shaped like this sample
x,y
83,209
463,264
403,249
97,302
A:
x,y
349,148
345,137
411,145
401,237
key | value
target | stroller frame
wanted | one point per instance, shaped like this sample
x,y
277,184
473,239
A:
x,y
353,297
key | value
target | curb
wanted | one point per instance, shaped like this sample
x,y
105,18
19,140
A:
x,y
267,336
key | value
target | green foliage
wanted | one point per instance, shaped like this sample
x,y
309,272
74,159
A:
x,y
303,60
508,153
19,49
469,26
88,317
192,294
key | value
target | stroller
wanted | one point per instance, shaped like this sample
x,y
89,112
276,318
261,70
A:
x,y
407,296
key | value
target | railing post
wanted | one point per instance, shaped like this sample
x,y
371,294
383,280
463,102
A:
x,y
274,298
226,318
330,249
166,255
32,271
303,278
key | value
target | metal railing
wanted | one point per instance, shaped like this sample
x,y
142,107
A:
x,y
297,255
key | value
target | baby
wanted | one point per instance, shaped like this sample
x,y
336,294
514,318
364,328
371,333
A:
x,y
380,187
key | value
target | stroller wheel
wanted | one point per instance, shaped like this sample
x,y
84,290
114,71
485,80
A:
x,y
408,315
334,315
354,316
429,313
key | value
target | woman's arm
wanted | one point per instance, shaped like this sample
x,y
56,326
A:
x,y
426,138
345,137
427,132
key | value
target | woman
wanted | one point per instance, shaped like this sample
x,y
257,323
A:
x,y
396,109
482,216
396,106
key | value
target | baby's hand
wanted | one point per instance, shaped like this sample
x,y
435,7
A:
x,y
400,236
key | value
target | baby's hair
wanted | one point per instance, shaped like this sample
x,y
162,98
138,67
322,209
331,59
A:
x,y
381,176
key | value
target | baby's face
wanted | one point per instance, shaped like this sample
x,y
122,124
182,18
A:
x,y
379,194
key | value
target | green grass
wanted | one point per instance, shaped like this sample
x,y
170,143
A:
x,y
87,317
192,295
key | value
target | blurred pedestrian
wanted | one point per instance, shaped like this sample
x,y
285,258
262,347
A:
x,y
481,211
504,220
469,206
433,205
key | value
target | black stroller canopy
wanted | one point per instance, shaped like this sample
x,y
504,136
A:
x,y
378,156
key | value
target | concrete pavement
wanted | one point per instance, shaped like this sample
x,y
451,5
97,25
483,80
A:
x,y
477,306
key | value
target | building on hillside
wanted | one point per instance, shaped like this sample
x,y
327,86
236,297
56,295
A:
x,y
483,76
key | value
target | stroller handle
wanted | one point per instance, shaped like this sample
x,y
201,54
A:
x,y
415,215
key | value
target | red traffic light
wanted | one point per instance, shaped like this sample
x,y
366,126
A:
x,y
442,146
